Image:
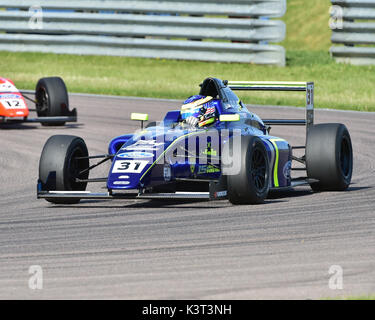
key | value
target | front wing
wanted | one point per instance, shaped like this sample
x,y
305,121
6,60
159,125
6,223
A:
x,y
72,117
216,192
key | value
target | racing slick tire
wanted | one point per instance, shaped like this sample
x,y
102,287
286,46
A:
x,y
249,184
52,99
58,166
329,157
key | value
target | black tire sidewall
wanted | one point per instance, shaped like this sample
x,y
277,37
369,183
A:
x,y
241,187
323,157
77,147
58,99
55,162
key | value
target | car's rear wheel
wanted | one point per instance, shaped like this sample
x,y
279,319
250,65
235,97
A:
x,y
329,157
51,99
63,158
250,183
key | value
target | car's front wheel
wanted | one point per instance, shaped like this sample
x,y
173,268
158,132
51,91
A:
x,y
51,99
64,159
249,183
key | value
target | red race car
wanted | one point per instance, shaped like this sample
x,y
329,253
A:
x,y
50,99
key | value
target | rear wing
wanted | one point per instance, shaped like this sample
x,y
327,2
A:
x,y
307,87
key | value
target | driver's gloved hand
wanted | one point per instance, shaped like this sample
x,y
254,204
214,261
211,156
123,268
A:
x,y
192,121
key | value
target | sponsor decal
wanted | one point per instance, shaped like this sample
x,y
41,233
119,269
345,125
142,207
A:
x,y
220,194
287,169
7,87
144,145
209,151
167,172
121,183
130,155
203,169
123,177
10,96
192,168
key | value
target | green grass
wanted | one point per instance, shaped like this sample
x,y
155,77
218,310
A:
x,y
339,86
307,25
363,297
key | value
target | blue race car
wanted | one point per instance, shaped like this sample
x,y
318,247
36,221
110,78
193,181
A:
x,y
213,148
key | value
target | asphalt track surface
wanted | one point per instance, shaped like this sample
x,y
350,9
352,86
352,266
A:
x,y
142,249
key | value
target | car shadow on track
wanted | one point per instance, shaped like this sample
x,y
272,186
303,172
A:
x,y
20,126
155,204
275,196
358,188
292,193
66,126
8,126
295,193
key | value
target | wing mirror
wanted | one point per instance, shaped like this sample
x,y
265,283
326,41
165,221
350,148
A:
x,y
139,117
229,117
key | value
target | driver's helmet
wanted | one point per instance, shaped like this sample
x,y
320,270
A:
x,y
200,107
192,106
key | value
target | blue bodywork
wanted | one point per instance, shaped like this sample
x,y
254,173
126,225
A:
x,y
170,151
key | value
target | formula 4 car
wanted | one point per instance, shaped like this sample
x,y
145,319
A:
x,y
233,157
51,103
